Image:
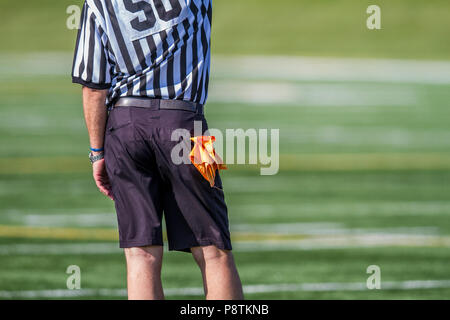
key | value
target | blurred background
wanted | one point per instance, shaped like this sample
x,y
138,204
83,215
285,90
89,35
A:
x,y
364,119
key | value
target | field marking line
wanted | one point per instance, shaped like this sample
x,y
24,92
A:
x,y
259,233
85,217
10,231
297,95
345,242
78,219
110,234
369,161
287,68
259,80
299,162
304,68
248,289
263,242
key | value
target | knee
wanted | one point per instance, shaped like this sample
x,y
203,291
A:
x,y
210,255
149,255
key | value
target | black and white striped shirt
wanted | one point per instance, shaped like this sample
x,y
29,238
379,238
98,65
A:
x,y
153,48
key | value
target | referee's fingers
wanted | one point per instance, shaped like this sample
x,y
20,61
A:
x,y
104,188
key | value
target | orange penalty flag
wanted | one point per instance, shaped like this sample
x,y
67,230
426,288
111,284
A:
x,y
204,157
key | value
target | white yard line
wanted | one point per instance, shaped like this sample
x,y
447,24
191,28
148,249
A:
x,y
83,218
289,68
330,228
249,289
80,220
303,228
344,242
264,80
60,219
271,93
316,242
330,209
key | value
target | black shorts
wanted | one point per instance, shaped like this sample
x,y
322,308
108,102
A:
x,y
146,183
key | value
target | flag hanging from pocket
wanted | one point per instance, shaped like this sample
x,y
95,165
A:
x,y
204,157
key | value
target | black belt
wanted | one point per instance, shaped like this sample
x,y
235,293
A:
x,y
156,104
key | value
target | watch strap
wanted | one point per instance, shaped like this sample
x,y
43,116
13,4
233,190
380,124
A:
x,y
94,158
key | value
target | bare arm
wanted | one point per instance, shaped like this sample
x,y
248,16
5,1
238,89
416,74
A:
x,y
95,115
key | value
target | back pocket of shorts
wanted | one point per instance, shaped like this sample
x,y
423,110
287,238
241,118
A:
x,y
118,118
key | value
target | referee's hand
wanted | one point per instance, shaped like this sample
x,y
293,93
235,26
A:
x,y
101,178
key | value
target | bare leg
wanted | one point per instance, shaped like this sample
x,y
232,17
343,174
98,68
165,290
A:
x,y
220,277
144,273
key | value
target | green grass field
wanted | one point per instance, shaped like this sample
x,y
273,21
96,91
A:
x,y
364,164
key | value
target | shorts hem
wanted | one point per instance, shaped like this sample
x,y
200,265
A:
x,y
131,244
202,242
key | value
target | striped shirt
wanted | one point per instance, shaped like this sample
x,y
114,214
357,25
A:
x,y
151,48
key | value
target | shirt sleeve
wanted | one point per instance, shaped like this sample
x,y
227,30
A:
x,y
91,66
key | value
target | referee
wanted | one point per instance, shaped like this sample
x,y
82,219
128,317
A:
x,y
148,64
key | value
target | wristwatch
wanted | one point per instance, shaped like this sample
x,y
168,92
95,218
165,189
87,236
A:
x,y
97,157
